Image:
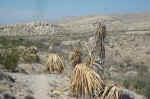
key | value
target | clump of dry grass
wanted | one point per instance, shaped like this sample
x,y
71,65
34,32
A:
x,y
75,57
111,92
86,81
55,63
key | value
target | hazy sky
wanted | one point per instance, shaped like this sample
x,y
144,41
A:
x,y
15,11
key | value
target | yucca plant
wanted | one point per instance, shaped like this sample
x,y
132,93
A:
x,y
91,56
86,81
99,38
55,63
21,49
75,57
111,92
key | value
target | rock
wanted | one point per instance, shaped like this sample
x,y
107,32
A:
x,y
8,96
127,94
1,97
4,76
29,97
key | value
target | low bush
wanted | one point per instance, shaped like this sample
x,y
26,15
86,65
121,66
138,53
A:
x,y
140,84
31,58
10,58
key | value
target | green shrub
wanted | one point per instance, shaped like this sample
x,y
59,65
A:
x,y
17,41
141,69
10,59
140,84
146,91
31,58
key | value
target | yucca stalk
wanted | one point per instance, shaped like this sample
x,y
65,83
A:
x,y
99,38
75,57
55,63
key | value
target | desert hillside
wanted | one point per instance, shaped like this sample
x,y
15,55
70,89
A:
x,y
127,48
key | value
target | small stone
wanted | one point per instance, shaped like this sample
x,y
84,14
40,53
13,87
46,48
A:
x,y
8,96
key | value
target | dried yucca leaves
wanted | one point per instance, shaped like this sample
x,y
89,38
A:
x,y
111,92
55,63
86,81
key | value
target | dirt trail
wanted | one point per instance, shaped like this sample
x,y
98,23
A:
x,y
40,86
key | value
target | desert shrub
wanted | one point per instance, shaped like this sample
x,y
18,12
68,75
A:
x,y
30,54
146,91
141,69
17,41
21,49
140,84
127,83
10,58
31,58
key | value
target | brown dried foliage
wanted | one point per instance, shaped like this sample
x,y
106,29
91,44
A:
x,y
55,63
86,81
75,57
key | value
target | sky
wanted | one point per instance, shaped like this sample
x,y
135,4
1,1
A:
x,y
17,11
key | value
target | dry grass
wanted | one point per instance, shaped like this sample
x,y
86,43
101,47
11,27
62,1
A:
x,y
75,57
86,81
111,92
55,63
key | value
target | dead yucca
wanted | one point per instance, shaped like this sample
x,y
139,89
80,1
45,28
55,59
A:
x,y
86,81
75,57
99,38
55,63
111,92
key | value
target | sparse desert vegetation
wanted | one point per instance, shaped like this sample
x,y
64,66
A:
x,y
125,60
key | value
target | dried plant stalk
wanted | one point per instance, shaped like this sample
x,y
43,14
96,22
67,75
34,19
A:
x,y
75,57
